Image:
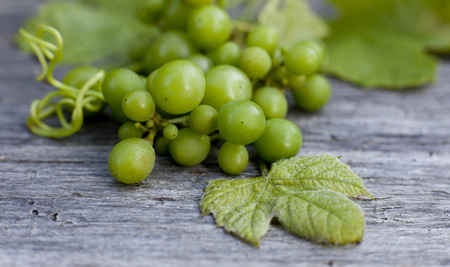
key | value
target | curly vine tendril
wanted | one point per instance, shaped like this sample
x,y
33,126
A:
x,y
66,98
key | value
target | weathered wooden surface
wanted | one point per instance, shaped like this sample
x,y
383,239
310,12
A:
x,y
59,205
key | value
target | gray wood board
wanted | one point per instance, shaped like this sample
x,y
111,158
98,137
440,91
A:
x,y
60,206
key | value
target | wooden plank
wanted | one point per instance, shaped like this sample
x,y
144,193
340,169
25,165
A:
x,y
61,207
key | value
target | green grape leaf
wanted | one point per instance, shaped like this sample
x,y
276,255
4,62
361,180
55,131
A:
x,y
94,31
318,172
306,194
375,43
293,20
321,215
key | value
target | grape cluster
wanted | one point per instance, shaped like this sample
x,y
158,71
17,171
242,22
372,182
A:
x,y
200,82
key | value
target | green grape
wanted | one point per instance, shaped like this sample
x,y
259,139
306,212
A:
x,y
197,2
233,159
178,87
227,53
281,139
118,83
209,27
280,75
255,61
277,57
202,61
314,94
189,148
119,116
225,83
150,78
265,37
176,14
149,10
317,46
295,81
203,119
162,146
77,77
129,130
170,132
167,115
131,160
143,79
302,59
138,105
241,122
169,46
272,101
150,124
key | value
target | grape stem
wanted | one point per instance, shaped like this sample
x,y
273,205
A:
x,y
263,167
151,136
161,122
213,137
183,120
66,97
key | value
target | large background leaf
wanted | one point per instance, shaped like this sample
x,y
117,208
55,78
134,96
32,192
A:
x,y
293,20
383,43
94,31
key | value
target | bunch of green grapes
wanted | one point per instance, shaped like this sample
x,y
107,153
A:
x,y
199,83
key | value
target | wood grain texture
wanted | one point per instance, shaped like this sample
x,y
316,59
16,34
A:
x,y
59,205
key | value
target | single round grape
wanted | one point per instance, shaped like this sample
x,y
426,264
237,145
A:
x,y
176,14
149,10
209,26
178,87
118,115
118,83
272,101
162,145
233,159
129,130
189,148
317,46
169,46
131,160
227,53
197,2
265,37
281,139
203,119
302,59
314,94
138,105
202,61
255,61
225,83
77,77
241,122
170,132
